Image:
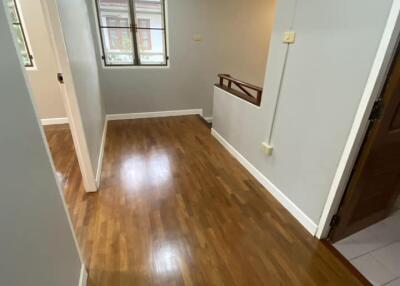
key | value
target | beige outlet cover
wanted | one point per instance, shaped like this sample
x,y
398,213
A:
x,y
289,37
267,148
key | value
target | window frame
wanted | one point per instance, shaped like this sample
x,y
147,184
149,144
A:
x,y
20,24
134,30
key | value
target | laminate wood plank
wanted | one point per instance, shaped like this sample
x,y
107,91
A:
x,y
175,208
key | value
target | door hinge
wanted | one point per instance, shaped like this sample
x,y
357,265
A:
x,y
60,77
335,220
376,111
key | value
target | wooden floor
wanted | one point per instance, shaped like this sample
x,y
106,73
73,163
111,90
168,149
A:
x,y
174,208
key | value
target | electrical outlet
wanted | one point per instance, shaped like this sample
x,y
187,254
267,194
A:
x,y
267,148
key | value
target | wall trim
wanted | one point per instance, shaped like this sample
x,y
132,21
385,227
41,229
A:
x,y
208,119
101,154
83,276
54,121
374,85
307,223
169,113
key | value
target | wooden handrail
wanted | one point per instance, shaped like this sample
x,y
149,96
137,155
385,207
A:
x,y
245,89
249,85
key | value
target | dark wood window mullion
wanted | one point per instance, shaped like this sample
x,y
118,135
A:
x,y
156,29
114,27
166,57
101,33
26,46
23,35
134,33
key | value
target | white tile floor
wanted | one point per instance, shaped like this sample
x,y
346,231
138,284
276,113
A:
x,y
375,251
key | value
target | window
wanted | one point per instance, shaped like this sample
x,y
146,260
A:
x,y
132,32
19,33
145,34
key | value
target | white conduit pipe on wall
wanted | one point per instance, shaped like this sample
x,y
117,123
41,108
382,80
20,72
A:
x,y
272,124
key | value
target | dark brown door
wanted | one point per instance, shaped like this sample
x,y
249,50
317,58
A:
x,y
375,182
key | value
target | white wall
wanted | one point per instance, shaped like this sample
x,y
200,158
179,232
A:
x,y
235,40
42,77
82,59
36,241
325,75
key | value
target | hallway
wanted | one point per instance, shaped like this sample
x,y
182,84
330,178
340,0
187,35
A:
x,y
174,208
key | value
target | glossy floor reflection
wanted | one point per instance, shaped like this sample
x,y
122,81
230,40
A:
x,y
175,208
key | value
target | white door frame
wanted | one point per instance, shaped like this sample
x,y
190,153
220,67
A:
x,y
50,11
376,80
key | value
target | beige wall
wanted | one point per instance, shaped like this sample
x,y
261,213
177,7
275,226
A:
x,y
42,77
245,33
235,39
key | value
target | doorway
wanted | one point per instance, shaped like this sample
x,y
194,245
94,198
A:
x,y
374,185
40,42
35,45
39,59
366,228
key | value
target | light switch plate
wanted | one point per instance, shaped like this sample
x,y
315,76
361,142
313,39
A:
x,y
289,37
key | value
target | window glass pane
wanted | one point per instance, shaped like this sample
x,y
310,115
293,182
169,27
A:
x,y
13,12
22,45
114,13
151,11
151,46
118,46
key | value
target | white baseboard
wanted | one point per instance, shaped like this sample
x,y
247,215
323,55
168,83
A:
x,y
125,116
307,223
83,276
101,154
54,121
208,119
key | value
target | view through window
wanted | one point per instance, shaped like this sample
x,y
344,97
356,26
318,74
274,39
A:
x,y
132,32
19,33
